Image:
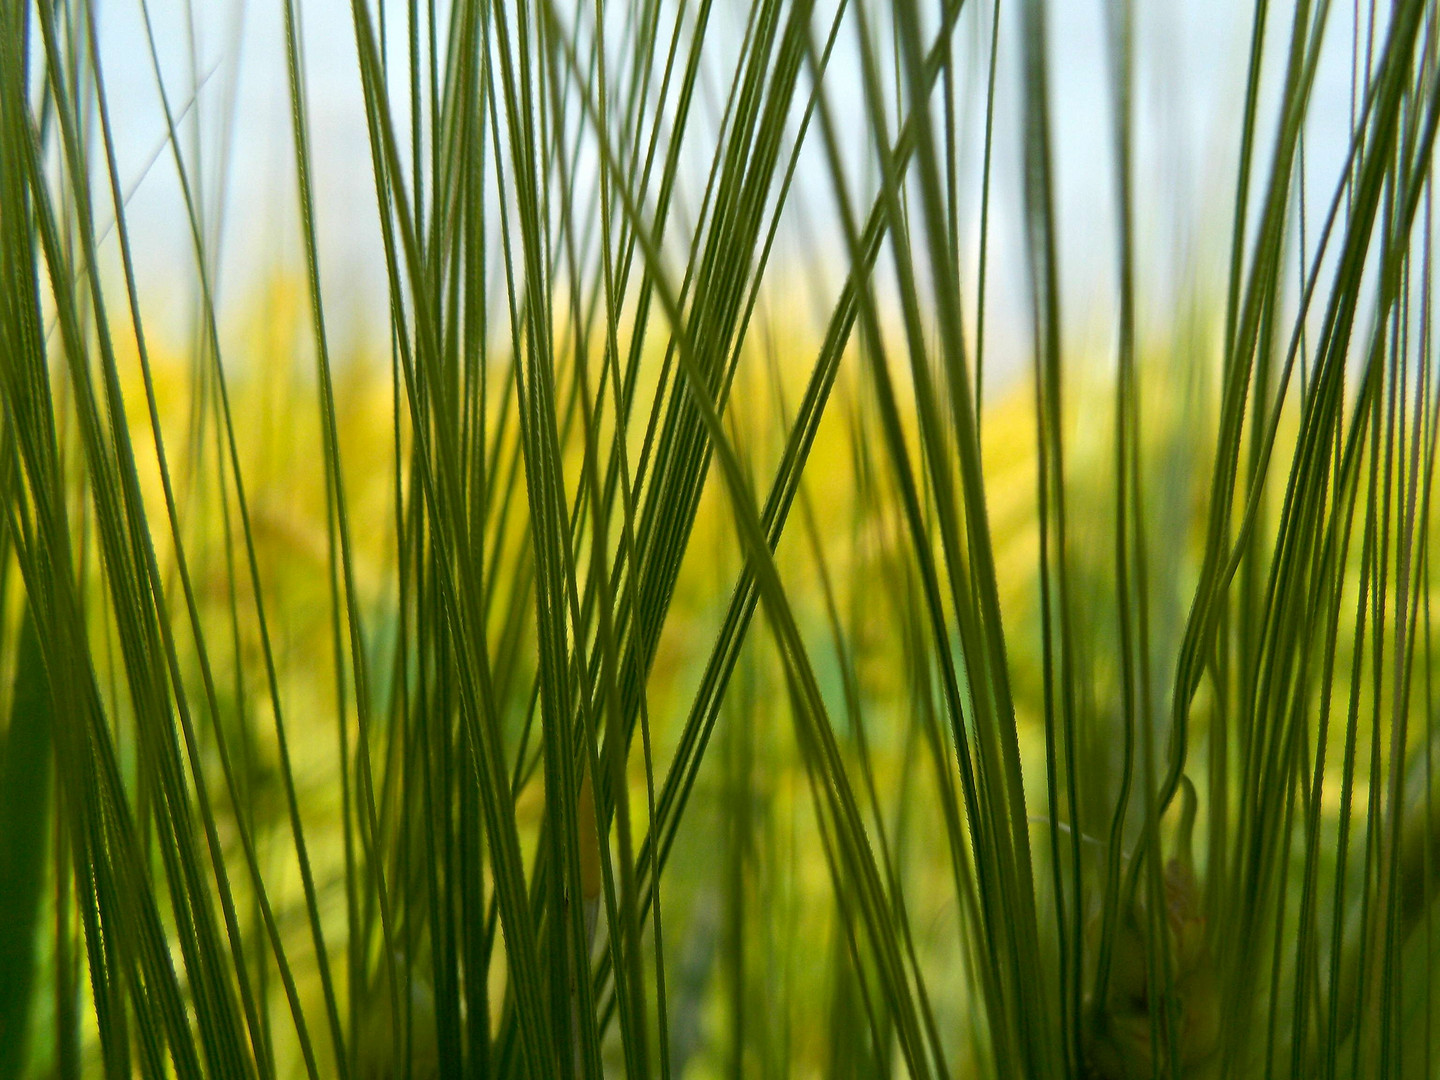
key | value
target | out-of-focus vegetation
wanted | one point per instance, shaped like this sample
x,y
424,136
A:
x,y
604,669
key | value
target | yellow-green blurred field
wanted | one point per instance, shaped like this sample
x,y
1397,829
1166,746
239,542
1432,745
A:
x,y
756,954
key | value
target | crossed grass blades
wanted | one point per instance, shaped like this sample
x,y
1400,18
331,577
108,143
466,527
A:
x,y
409,715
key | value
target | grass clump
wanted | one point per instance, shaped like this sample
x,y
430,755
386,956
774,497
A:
x,y
407,713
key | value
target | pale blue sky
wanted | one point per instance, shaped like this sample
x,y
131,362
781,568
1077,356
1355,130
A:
x,y
1191,56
